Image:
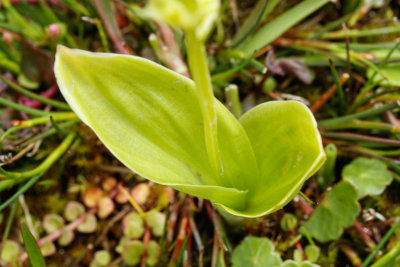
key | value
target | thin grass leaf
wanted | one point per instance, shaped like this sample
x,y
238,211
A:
x,y
284,22
35,256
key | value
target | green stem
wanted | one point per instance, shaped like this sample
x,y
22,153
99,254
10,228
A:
x,y
360,138
36,121
44,166
370,112
367,125
387,153
226,74
30,111
50,132
389,258
360,33
338,85
232,96
9,223
201,76
20,191
34,96
378,247
326,174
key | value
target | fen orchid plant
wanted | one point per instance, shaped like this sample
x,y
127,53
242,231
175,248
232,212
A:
x,y
171,130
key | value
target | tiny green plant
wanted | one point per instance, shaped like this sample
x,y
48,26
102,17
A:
x,y
172,130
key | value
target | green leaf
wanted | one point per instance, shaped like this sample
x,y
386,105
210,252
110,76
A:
x,y
369,175
10,251
132,252
287,147
291,263
156,221
338,210
389,71
150,119
254,252
280,25
35,256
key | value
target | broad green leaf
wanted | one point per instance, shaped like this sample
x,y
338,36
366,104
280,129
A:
x,y
280,25
337,211
369,175
291,263
149,117
288,150
254,252
35,256
391,73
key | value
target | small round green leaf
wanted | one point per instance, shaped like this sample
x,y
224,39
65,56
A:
x,y
255,252
10,251
369,175
73,210
89,225
337,211
102,257
52,222
132,252
156,221
153,253
132,225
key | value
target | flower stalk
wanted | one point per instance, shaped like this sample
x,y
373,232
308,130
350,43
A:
x,y
201,76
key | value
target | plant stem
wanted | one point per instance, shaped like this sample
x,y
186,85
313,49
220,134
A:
x,y
50,132
351,254
36,121
328,94
20,191
389,258
201,76
30,111
9,222
383,241
360,137
360,33
34,96
337,83
370,112
226,74
232,96
366,125
44,166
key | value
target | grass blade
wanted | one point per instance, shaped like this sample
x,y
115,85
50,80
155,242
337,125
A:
x,y
35,256
277,27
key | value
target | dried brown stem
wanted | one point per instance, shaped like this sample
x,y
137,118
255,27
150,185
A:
x,y
328,94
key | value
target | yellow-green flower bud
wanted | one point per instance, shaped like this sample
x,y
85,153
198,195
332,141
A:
x,y
190,15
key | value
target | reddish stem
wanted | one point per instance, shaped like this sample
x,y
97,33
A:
x,y
115,34
364,235
31,103
299,246
146,240
305,207
180,239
